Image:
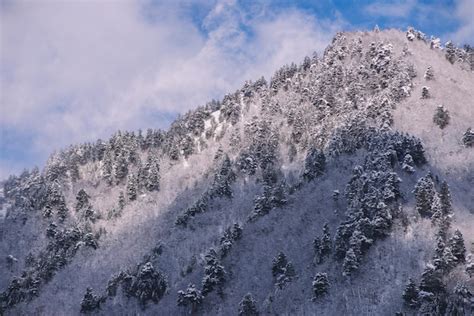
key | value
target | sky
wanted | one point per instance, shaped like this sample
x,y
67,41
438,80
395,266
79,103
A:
x,y
75,71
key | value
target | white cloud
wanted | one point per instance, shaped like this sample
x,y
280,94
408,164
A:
x,y
75,71
465,14
396,9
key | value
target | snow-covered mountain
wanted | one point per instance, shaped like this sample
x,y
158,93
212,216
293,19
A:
x,y
343,186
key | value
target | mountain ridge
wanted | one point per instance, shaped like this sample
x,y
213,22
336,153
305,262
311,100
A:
x,y
264,150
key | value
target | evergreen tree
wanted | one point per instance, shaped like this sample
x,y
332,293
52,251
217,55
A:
x,y
282,270
408,164
431,281
214,273
410,294
132,188
82,200
90,302
424,194
326,241
450,52
315,164
317,250
468,138
153,177
191,297
121,201
320,285
445,200
351,263
425,92
120,168
248,306
107,168
457,246
441,117
149,284
429,75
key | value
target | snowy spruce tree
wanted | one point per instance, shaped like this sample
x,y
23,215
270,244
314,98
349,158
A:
x,y
441,117
214,273
410,294
191,297
248,306
320,285
424,194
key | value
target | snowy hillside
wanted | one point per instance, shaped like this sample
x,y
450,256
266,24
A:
x,y
343,186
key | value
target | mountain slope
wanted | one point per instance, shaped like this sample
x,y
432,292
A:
x,y
322,143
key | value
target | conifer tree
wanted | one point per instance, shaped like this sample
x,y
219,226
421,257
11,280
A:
x,y
441,117
190,297
457,246
429,75
82,200
315,164
468,138
320,285
214,273
450,52
248,306
132,188
410,294
90,302
431,280
350,263
424,194
425,92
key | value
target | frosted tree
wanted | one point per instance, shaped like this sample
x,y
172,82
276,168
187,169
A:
x,y
315,164
153,177
90,302
82,200
214,273
450,52
425,92
429,74
457,246
441,117
410,294
282,270
431,280
408,164
120,168
424,194
248,306
351,263
320,285
148,285
468,138
190,297
132,187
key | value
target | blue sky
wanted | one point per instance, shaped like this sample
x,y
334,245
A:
x,y
75,71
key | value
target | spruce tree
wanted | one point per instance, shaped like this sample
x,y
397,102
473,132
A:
x,y
450,52
351,263
190,297
425,92
320,285
214,273
82,200
468,138
248,306
132,188
431,280
315,164
457,246
424,194
429,75
90,302
441,117
410,294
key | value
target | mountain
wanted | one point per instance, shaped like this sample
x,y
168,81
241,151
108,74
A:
x,y
343,186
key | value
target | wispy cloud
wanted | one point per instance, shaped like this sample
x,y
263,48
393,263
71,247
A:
x,y
75,71
395,9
